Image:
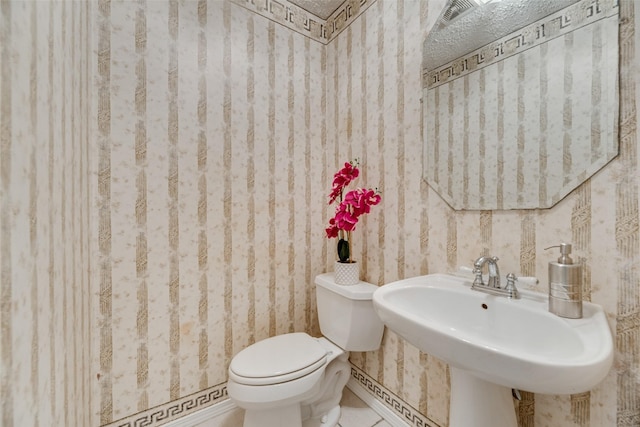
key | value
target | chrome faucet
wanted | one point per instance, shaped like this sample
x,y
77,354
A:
x,y
494,272
493,284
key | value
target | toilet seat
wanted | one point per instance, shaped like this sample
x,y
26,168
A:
x,y
277,360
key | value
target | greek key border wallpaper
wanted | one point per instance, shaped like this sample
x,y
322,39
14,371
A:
x,y
164,167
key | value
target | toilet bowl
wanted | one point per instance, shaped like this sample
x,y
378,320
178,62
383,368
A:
x,y
296,380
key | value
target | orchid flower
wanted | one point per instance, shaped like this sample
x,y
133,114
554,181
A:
x,y
354,204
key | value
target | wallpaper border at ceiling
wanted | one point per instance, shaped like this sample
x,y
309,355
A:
x,y
562,22
306,23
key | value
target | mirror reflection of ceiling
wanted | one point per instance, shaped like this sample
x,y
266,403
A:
x,y
523,121
457,32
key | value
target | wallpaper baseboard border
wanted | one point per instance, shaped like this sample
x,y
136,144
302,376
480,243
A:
x,y
206,414
175,413
226,406
379,399
378,407
389,406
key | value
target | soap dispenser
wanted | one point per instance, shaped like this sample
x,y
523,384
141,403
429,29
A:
x,y
565,285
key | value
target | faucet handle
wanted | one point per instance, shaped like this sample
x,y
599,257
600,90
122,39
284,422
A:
x,y
477,271
512,291
478,279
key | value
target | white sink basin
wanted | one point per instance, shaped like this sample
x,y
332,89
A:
x,y
510,343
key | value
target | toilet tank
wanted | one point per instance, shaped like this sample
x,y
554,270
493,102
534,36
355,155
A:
x,y
346,314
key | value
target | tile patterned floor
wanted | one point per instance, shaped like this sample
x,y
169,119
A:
x,y
355,413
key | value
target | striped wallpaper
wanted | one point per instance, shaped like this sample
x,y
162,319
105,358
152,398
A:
x,y
46,372
212,167
163,173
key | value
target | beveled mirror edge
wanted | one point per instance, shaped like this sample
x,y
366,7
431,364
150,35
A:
x,y
608,8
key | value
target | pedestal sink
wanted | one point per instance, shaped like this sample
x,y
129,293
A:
x,y
493,344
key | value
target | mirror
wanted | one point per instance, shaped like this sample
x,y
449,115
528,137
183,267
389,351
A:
x,y
524,107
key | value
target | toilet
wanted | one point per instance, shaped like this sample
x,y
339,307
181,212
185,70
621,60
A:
x,y
296,380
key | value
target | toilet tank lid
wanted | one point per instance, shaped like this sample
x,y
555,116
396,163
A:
x,y
359,291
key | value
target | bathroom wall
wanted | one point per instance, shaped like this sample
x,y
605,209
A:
x,y
375,65
378,61
45,321
163,174
211,176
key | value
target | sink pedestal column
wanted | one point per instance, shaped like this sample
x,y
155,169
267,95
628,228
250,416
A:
x,y
478,403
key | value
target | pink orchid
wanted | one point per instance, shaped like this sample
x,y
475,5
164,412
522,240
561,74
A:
x,y
345,219
332,230
341,179
361,200
354,204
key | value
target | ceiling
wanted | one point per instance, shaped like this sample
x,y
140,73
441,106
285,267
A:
x,y
321,8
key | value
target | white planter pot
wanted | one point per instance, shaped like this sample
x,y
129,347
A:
x,y
347,273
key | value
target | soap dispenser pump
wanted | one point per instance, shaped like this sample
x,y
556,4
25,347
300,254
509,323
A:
x,y
565,285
